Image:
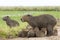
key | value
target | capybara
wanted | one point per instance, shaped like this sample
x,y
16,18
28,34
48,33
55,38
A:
x,y
10,22
28,32
43,21
31,33
23,33
40,33
55,32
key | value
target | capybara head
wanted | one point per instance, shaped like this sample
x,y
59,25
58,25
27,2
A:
x,y
25,18
6,18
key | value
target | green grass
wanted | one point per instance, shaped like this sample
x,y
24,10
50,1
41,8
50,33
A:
x,y
16,15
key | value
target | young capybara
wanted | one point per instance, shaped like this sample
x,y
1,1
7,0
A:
x,y
10,22
43,21
23,33
28,32
31,33
55,32
40,33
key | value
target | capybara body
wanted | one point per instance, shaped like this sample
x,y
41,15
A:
x,y
43,21
10,22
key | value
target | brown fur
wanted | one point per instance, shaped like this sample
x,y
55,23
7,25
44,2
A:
x,y
23,33
10,22
43,21
31,33
55,32
40,33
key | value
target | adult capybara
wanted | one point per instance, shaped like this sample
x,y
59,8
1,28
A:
x,y
43,21
10,22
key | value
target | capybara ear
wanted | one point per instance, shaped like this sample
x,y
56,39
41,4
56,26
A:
x,y
28,15
7,16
